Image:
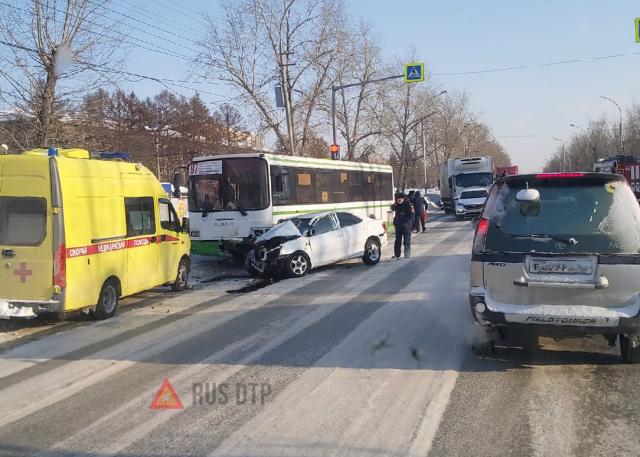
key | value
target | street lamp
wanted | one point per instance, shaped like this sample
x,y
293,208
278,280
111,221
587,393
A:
x,y
424,147
586,139
564,160
619,109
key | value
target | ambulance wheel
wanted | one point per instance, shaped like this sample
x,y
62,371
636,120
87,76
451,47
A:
x,y
107,301
182,277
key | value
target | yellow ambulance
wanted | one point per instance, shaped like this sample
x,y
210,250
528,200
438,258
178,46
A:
x,y
79,233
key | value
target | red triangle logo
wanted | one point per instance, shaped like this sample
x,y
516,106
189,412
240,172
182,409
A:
x,y
166,397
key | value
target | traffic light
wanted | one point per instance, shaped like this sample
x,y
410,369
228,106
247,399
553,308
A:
x,y
335,151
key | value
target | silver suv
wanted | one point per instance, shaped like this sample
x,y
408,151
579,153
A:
x,y
560,253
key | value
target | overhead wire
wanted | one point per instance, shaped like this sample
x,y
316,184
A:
x,y
169,32
150,14
166,82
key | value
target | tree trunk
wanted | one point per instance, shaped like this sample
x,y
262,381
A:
x,y
45,109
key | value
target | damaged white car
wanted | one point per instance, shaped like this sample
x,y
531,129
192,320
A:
x,y
296,245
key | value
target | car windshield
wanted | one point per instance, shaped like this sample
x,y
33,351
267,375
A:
x,y
474,179
303,224
473,194
229,185
602,217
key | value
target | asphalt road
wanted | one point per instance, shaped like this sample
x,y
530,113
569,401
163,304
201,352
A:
x,y
350,360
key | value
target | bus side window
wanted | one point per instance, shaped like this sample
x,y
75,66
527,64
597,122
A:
x,y
280,185
340,186
305,186
356,191
323,186
384,187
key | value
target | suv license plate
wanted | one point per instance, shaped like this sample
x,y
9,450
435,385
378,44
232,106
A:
x,y
561,266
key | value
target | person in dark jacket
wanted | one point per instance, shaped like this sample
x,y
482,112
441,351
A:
x,y
419,204
403,223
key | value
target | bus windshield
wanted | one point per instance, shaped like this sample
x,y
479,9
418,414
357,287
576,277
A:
x,y
230,184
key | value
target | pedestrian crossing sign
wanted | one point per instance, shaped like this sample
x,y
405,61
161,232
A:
x,y
637,27
414,72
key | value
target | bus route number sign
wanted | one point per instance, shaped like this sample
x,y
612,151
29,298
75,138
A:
x,y
210,167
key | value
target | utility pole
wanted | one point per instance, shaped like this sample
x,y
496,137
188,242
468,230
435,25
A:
x,y
424,155
620,126
564,158
286,93
156,148
586,139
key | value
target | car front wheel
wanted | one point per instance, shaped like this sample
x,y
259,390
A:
x,y
297,264
371,252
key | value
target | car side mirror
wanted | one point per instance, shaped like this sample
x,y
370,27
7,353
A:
x,y
185,225
311,232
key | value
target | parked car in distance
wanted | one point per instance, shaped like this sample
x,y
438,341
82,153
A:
x,y
471,202
558,253
434,199
296,245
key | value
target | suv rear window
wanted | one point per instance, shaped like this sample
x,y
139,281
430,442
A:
x,y
601,215
22,221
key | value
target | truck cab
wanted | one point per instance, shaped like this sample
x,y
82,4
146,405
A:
x,y
462,173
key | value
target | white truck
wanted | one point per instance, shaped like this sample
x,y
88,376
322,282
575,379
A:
x,y
459,174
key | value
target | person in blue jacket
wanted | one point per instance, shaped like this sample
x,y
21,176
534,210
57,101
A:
x,y
403,223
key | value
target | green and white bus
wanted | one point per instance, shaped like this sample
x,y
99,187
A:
x,y
234,198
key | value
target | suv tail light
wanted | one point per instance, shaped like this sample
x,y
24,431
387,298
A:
x,y
60,267
559,175
481,235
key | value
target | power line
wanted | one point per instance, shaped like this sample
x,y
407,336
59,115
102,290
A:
x,y
159,17
529,66
163,81
192,13
160,49
171,33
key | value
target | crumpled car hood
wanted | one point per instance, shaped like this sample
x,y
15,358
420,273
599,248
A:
x,y
286,229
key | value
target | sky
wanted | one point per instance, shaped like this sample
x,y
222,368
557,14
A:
x,y
525,108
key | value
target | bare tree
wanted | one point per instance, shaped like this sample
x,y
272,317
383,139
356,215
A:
x,y
357,108
403,113
600,139
259,44
231,121
49,55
